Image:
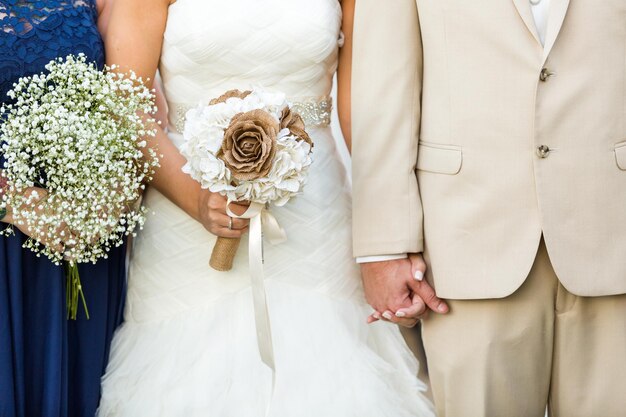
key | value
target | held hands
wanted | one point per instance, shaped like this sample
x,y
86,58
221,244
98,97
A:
x,y
397,291
212,215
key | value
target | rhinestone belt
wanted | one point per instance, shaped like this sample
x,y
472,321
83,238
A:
x,y
314,111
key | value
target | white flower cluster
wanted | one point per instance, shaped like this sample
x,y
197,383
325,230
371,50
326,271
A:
x,y
204,133
79,133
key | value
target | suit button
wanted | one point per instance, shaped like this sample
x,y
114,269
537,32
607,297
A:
x,y
543,151
545,74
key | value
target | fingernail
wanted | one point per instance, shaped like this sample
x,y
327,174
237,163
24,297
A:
x,y
442,308
387,315
376,315
400,314
419,275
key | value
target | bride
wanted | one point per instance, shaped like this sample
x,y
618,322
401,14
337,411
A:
x,y
188,346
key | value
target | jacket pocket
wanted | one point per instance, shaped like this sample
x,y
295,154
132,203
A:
x,y
440,159
620,155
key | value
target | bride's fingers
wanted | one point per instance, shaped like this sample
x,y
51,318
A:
x,y
238,208
409,322
224,221
374,317
226,232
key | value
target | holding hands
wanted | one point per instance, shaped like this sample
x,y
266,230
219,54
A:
x,y
397,291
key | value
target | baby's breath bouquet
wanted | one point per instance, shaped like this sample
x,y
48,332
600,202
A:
x,y
78,133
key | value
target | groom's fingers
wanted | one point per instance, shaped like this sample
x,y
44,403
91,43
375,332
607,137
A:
x,y
402,321
427,294
373,318
384,284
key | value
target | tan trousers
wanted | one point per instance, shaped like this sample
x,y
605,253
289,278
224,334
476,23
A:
x,y
540,346
413,338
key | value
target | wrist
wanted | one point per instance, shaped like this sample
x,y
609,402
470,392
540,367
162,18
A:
x,y
7,217
380,258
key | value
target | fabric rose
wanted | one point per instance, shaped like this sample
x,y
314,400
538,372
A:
x,y
293,121
230,94
250,145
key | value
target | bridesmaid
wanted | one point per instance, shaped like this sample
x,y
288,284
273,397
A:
x,y
49,366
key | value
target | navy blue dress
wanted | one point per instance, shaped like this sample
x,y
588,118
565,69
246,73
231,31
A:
x,y
49,366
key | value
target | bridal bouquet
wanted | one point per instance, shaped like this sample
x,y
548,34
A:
x,y
77,132
249,146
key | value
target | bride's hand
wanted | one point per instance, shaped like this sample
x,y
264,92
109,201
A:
x,y
212,215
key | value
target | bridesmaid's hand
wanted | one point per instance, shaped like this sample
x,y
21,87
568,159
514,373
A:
x,y
36,195
212,215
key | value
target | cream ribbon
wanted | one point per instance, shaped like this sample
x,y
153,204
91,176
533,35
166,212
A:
x,y
262,224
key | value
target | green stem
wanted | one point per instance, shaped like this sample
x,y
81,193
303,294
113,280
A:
x,y
74,291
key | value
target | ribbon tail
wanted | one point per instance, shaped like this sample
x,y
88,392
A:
x,y
261,312
271,229
258,217
264,332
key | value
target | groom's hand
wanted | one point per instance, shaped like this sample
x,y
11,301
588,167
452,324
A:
x,y
397,290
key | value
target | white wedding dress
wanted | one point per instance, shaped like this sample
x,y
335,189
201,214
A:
x,y
188,346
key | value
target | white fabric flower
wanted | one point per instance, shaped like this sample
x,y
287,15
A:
x,y
204,133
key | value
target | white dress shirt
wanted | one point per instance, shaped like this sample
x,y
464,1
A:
x,y
540,13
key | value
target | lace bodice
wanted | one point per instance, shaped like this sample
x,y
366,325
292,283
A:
x,y
33,32
211,46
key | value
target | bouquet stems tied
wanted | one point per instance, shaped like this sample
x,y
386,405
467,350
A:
x,y
74,291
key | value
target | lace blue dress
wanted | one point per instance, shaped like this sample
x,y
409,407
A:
x,y
49,366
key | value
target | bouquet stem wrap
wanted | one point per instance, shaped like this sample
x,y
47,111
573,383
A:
x,y
262,222
224,253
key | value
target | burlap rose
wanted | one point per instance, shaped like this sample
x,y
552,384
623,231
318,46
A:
x,y
250,145
230,94
293,121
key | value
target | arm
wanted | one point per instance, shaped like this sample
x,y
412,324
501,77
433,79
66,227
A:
x,y
386,88
104,15
133,42
344,72
344,80
385,118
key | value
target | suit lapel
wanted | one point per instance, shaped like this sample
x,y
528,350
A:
x,y
523,8
556,16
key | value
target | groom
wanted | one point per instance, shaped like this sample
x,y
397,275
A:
x,y
490,136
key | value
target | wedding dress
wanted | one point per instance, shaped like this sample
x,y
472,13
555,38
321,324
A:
x,y
188,346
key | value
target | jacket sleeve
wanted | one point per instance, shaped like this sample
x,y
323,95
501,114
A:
x,y
386,91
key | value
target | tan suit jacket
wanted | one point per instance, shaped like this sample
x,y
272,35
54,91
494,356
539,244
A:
x,y
471,140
